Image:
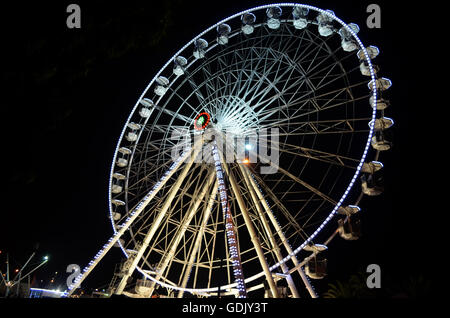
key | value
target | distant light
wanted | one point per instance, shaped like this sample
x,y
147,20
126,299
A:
x,y
16,270
248,146
46,258
245,161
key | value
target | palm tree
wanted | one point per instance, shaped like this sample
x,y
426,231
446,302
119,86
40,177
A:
x,y
413,286
355,287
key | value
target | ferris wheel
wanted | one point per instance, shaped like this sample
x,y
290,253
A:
x,y
240,153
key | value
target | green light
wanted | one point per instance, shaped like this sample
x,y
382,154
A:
x,y
201,121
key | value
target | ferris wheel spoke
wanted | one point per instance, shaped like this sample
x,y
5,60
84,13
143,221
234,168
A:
x,y
322,48
323,156
321,127
334,78
328,75
167,129
313,88
316,62
271,83
313,61
185,101
310,47
255,62
233,69
223,80
208,75
289,120
255,88
238,81
195,87
303,183
173,114
254,68
146,177
248,61
313,99
264,103
293,49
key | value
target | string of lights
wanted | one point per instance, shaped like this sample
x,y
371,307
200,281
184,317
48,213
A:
x,y
229,227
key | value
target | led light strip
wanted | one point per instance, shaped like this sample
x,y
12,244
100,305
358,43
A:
x,y
229,226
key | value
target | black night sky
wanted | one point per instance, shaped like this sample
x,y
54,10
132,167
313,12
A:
x,y
66,94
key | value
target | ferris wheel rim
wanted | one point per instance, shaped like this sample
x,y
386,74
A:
x,y
186,46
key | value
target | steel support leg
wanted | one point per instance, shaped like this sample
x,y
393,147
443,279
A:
x,y
181,230
280,234
198,239
128,222
266,226
159,218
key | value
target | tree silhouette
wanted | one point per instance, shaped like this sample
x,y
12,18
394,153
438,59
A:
x,y
354,287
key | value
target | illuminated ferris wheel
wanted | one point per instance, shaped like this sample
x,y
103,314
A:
x,y
239,154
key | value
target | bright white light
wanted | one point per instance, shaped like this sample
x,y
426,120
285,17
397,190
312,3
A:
x,y
248,147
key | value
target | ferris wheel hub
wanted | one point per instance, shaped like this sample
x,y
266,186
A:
x,y
235,116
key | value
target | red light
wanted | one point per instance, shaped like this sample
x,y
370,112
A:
x,y
201,121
